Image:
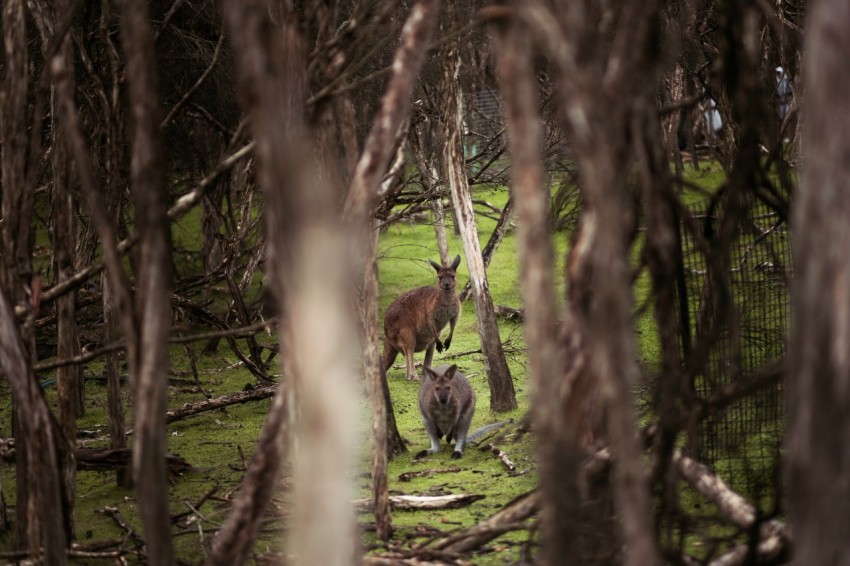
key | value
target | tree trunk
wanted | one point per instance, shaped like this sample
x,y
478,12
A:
x,y
68,378
39,506
545,353
492,243
502,394
599,106
819,428
377,151
63,239
423,154
149,370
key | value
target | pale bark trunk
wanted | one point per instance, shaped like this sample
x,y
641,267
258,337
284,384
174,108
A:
x,y
305,248
545,353
493,243
502,394
819,431
149,370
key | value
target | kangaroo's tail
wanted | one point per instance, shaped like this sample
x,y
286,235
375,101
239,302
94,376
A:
x,y
487,429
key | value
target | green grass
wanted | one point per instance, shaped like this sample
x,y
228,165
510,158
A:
x,y
219,443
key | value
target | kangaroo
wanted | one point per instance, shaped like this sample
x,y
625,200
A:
x,y
447,403
413,321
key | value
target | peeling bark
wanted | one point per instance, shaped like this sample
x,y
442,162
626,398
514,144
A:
x,y
502,394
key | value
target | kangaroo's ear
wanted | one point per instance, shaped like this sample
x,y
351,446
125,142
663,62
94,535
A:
x,y
429,373
455,263
450,372
435,265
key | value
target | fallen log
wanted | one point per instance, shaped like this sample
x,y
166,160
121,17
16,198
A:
x,y
407,476
112,458
773,536
417,502
189,409
510,313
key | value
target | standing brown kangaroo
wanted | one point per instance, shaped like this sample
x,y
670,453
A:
x,y
447,403
413,321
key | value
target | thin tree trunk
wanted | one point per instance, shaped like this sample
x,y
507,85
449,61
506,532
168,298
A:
x,y
377,151
819,430
378,394
502,394
149,370
68,378
39,507
423,155
44,528
117,302
63,237
492,243
545,352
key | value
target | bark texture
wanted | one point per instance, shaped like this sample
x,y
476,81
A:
x,y
502,393
819,435
149,369
597,104
546,355
365,184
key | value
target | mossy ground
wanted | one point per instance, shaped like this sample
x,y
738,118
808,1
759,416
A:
x,y
219,444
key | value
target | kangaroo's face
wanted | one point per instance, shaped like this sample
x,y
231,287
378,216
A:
x,y
443,389
446,276
442,384
446,279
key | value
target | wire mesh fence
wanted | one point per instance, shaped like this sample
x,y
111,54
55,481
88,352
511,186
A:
x,y
741,443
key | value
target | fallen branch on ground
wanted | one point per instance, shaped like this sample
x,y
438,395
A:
x,y
509,518
414,502
189,409
407,476
510,313
502,456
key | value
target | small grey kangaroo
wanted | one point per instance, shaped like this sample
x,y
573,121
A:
x,y
447,403
414,321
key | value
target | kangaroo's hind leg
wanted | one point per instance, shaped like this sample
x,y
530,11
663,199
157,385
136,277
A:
x,y
429,355
388,356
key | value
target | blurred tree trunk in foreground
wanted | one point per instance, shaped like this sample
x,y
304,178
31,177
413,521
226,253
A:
x,y
149,369
557,456
819,392
39,504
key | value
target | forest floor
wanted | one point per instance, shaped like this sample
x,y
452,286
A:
x,y
218,444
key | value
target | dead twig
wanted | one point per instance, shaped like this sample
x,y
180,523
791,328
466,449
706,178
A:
x,y
407,476
193,508
132,535
502,456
